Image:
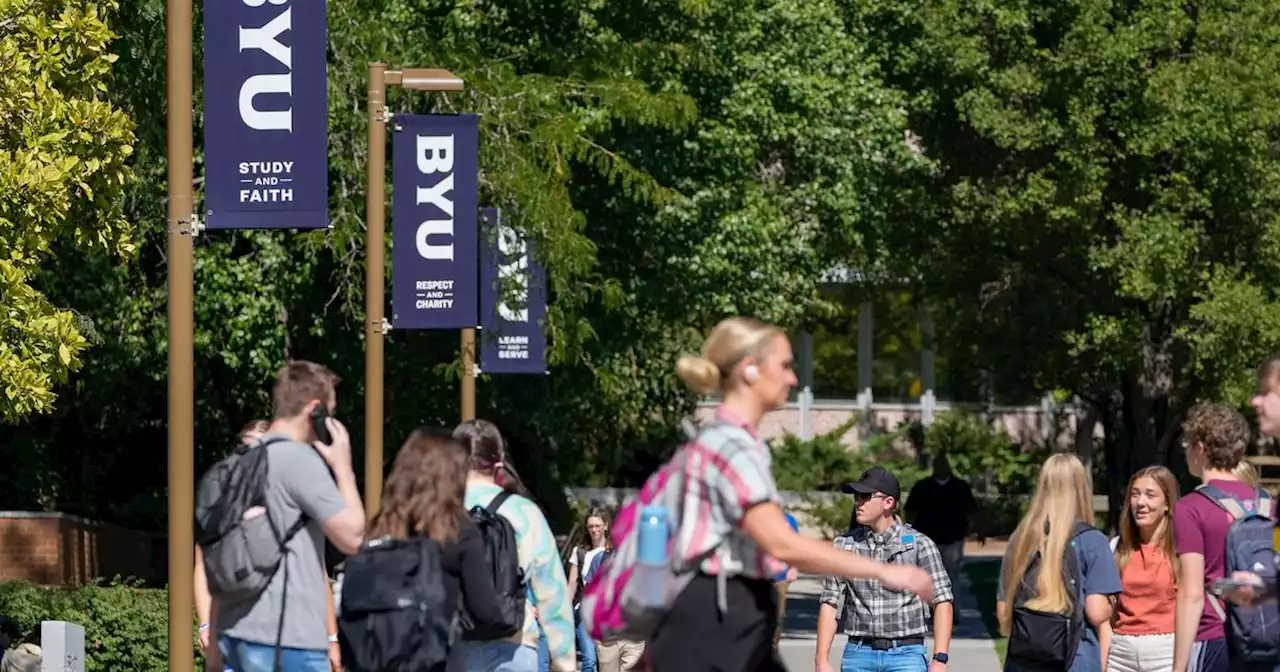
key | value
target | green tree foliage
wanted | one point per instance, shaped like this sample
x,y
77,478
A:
x,y
1103,215
63,154
787,171
675,161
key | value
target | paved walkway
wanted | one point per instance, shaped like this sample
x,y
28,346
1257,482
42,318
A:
x,y
972,649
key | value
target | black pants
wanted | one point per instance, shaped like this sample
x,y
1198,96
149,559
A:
x,y
696,637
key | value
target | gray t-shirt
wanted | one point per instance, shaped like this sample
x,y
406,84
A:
x,y
298,482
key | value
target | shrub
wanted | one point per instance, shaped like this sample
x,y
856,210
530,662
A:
x,y
987,457
125,626
823,463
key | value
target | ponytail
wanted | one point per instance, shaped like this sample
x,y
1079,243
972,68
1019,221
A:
x,y
488,451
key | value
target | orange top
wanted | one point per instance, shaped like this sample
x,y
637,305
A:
x,y
1147,604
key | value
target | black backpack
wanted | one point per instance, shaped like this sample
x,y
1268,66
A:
x,y
393,608
1047,641
502,553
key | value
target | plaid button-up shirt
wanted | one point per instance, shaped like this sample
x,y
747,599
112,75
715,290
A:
x,y
731,473
865,606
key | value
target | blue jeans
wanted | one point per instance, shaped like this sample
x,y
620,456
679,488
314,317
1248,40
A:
x,y
586,649
500,656
243,656
859,657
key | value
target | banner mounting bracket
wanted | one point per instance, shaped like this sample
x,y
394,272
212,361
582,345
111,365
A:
x,y
190,226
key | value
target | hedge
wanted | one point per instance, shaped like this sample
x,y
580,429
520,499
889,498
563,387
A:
x,y
126,627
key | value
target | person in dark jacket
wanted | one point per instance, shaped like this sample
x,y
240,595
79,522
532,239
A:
x,y
940,507
423,497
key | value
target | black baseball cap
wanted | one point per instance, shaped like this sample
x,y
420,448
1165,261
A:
x,y
873,480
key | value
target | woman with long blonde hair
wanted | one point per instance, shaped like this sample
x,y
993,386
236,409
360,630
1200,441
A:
x,y
1057,577
1144,612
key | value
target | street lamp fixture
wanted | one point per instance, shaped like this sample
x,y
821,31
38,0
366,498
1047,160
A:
x,y
418,79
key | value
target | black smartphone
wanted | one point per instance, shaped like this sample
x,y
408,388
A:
x,y
318,416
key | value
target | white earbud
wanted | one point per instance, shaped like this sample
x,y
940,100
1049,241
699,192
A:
x,y
751,373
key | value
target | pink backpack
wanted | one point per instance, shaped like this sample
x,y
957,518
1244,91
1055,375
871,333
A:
x,y
610,606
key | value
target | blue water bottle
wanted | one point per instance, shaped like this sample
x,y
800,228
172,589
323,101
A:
x,y
652,557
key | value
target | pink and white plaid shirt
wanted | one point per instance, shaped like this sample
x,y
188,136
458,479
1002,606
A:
x,y
729,472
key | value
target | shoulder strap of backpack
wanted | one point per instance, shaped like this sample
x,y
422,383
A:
x,y
1265,504
1225,501
497,502
1073,566
260,443
908,538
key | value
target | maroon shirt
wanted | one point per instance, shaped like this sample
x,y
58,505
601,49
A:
x,y
1200,526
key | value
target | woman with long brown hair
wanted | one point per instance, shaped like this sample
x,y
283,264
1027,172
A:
x,y
423,496
1144,611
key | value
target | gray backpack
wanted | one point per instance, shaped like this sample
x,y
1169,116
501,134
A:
x,y
242,548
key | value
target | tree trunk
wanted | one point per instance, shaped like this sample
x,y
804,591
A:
x,y
1084,436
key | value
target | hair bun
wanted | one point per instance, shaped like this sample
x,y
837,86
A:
x,y
699,374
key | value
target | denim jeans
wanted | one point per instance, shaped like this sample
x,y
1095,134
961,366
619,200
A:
x,y
859,657
499,656
586,649
243,656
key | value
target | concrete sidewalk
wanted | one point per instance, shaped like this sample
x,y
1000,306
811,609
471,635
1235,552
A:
x,y
972,649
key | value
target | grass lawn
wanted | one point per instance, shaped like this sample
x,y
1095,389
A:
x,y
984,575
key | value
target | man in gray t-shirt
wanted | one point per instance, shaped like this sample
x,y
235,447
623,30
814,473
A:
x,y
305,478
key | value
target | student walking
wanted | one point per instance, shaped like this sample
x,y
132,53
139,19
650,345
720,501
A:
x,y
548,604
207,609
597,523
1214,437
1143,621
423,497
310,494
737,537
886,628
1057,578
940,507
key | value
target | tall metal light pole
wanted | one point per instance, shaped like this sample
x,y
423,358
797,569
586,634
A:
x,y
418,79
181,227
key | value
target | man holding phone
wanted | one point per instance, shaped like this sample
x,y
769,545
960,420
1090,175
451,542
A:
x,y
310,479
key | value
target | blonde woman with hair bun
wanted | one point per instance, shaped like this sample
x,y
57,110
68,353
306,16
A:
x,y
724,618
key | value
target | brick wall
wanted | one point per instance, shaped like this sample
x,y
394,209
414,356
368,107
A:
x,y
54,548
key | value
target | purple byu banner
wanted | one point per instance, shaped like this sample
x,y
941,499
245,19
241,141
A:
x,y
265,115
434,233
513,301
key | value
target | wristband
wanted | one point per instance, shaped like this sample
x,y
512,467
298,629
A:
x,y
333,639
204,626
